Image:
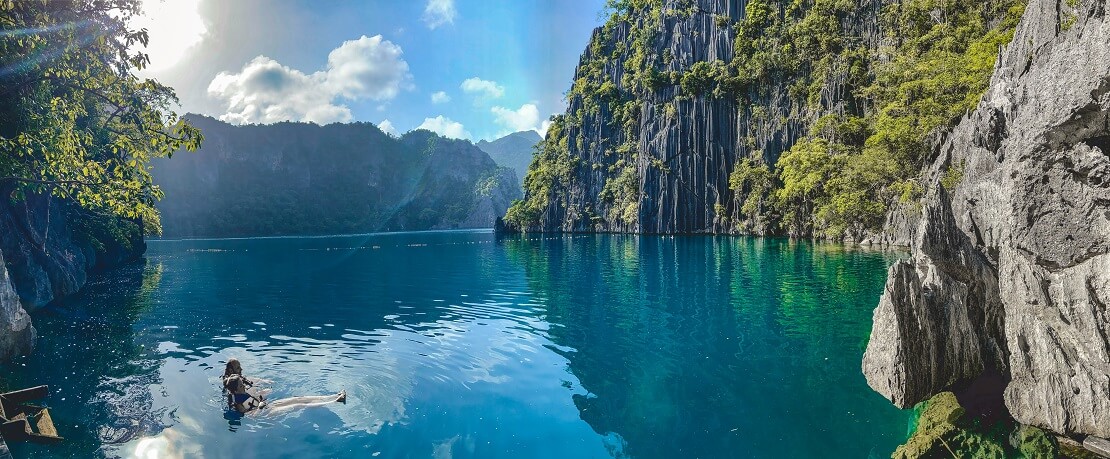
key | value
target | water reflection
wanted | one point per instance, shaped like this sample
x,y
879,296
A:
x,y
697,346
458,344
95,331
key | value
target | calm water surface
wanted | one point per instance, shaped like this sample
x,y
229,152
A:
x,y
460,345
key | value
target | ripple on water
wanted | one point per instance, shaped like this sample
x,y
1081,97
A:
x,y
460,343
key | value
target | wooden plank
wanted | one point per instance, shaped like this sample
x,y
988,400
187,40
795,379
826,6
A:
x,y
22,417
24,395
1098,446
45,425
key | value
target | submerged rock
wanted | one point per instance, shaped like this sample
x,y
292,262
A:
x,y
946,430
1011,268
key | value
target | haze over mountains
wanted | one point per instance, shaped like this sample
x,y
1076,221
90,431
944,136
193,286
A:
x,y
305,179
513,151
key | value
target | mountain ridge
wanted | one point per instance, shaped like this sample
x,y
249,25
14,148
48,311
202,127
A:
x,y
305,179
513,151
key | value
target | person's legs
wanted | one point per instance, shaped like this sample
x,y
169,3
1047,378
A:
x,y
305,401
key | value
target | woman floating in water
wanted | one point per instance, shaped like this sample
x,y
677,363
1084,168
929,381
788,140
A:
x,y
241,400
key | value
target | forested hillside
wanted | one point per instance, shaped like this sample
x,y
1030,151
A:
x,y
301,178
799,117
513,151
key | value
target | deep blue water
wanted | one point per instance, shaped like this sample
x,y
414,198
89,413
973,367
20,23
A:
x,y
460,345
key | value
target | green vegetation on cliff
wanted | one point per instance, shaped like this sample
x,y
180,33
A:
x,y
75,122
870,109
937,71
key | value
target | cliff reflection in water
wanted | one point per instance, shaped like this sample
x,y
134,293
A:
x,y
464,344
117,397
694,346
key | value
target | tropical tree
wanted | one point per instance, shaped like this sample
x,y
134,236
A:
x,y
75,121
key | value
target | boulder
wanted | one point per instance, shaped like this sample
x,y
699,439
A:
x,y
17,335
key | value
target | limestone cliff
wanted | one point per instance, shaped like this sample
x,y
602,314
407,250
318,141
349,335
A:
x,y
17,335
1010,272
646,154
48,249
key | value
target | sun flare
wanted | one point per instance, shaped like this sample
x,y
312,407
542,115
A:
x,y
175,26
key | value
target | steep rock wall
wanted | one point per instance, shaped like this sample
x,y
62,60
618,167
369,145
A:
x,y
48,249
683,147
17,335
1010,270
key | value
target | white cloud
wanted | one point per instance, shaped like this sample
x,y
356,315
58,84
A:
x,y
369,67
387,127
439,12
440,98
482,88
445,127
525,118
265,91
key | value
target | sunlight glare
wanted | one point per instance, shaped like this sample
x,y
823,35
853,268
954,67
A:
x,y
174,26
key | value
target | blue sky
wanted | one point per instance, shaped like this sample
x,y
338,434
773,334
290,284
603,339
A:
x,y
263,61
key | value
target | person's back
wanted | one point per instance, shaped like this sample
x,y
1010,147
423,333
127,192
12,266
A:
x,y
236,385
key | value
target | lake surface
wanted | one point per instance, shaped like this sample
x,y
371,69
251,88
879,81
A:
x,y
463,345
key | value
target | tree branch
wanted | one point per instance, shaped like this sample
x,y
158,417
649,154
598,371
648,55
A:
x,y
12,178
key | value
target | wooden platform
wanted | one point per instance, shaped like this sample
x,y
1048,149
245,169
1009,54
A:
x,y
1098,446
21,421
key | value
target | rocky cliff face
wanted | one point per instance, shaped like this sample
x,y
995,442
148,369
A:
x,y
660,161
297,178
1010,272
48,249
17,335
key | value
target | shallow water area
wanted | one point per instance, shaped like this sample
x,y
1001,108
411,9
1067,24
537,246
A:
x,y
462,344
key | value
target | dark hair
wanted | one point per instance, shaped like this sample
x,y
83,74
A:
x,y
233,367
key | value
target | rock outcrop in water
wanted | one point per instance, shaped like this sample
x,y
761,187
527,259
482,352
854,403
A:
x,y
49,248
1010,270
304,179
17,335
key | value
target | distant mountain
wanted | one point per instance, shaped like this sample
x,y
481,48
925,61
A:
x,y
302,179
513,151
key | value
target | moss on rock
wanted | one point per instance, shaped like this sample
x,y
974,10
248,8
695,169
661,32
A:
x,y
945,430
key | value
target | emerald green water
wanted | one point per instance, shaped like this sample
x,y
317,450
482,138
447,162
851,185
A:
x,y
459,344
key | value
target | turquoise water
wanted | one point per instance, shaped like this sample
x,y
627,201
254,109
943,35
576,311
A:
x,y
457,344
